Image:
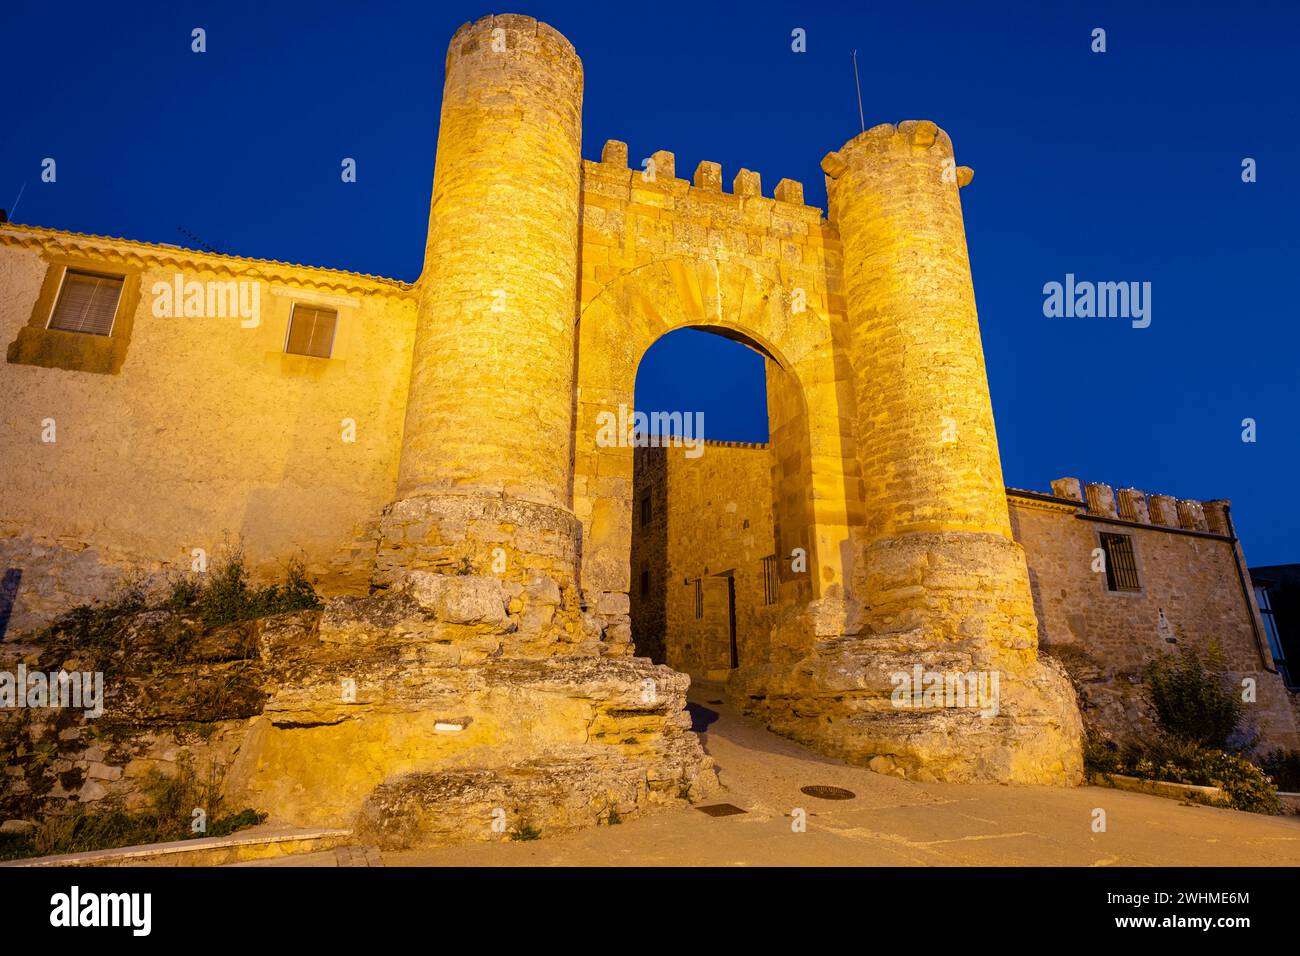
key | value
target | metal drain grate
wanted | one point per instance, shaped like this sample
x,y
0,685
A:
x,y
828,793
721,810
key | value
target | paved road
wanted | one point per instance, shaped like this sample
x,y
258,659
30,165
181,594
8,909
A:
x,y
890,822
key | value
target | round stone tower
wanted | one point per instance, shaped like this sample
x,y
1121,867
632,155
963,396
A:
x,y
485,462
946,586
934,502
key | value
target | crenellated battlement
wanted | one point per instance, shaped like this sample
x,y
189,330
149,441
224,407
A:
x,y
707,179
1140,507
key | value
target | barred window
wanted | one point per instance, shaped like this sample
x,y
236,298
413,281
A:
x,y
311,331
1121,565
87,303
771,580
645,511
699,598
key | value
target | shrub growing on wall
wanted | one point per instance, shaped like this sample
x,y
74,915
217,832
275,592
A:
x,y
1193,699
1284,767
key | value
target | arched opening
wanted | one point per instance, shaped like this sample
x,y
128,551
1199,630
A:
x,y
814,478
722,527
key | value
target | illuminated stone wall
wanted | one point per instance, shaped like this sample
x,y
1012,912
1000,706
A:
x,y
1190,595
208,433
478,395
710,519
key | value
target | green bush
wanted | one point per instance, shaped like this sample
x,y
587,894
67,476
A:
x,y
1198,711
1168,758
1193,699
1284,767
227,596
79,828
1100,756
184,593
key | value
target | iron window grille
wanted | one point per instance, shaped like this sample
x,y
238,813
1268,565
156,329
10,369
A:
x,y
771,580
1121,563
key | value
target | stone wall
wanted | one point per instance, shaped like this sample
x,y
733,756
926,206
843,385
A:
x,y
478,396
715,523
208,433
651,571
1190,590
660,251
418,715
1191,595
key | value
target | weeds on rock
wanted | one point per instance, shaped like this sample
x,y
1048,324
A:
x,y
525,831
79,828
95,634
94,631
227,596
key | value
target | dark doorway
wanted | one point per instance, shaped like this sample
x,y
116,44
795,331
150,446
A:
x,y
731,614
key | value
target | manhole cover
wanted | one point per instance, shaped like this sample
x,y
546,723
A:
x,y
828,793
720,809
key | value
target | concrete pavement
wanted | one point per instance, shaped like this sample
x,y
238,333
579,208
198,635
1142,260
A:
x,y
890,822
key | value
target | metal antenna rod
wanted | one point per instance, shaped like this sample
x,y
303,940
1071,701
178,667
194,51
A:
x,y
14,207
858,85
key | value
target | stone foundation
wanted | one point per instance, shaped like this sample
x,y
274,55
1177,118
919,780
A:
x,y
414,713
944,603
962,588
476,533
838,700
519,542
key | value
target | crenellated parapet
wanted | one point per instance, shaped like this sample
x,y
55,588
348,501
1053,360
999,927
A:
x,y
660,169
1138,507
639,210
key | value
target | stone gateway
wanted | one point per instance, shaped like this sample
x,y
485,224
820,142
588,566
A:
x,y
438,453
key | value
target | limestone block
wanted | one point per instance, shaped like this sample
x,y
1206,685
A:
x,y
458,599
1163,511
1067,488
544,590
747,183
101,771
665,164
789,190
1133,506
1101,499
614,153
1191,515
613,603
708,176
92,791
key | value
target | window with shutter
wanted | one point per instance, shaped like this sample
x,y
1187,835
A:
x,y
82,319
311,331
87,303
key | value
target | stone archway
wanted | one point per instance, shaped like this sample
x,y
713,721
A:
x,y
813,417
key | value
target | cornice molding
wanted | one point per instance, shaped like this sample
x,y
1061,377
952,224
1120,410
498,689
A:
x,y
147,255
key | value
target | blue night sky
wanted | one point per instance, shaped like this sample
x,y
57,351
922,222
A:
x,y
1119,166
